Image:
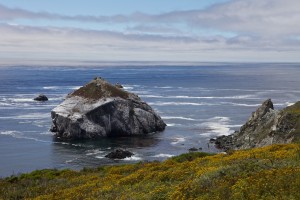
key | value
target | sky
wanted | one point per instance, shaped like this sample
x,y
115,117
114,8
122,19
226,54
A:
x,y
80,31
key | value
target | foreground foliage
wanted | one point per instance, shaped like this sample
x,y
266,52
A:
x,y
271,172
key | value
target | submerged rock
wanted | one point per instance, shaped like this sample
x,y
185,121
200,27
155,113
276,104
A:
x,y
193,149
119,154
41,97
266,126
101,109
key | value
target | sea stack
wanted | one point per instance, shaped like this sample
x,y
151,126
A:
x,y
100,109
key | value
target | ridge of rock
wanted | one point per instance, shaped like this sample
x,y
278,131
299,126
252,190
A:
x,y
101,109
266,126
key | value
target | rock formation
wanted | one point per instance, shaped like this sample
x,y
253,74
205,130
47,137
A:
x,y
41,97
101,109
265,126
119,154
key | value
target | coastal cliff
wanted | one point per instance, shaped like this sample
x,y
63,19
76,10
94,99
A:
x,y
101,109
266,126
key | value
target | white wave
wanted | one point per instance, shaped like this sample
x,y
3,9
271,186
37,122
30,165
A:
x,y
21,100
162,155
99,157
173,124
56,98
140,92
5,104
240,104
212,97
61,87
177,140
127,88
77,145
46,133
19,135
74,87
133,158
220,118
11,133
51,87
179,104
183,118
151,96
289,103
94,152
234,126
71,160
218,125
29,116
166,87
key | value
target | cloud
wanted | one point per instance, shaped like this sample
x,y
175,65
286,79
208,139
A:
x,y
248,17
259,30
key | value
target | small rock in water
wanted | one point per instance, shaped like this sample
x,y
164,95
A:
x,y
193,149
41,97
119,154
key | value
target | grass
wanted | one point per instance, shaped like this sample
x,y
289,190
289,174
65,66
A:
x,y
99,88
294,114
271,172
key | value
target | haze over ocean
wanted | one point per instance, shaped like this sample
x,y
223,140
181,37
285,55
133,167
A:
x,y
197,103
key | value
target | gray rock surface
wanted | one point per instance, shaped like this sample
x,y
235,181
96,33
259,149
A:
x,y
101,109
266,126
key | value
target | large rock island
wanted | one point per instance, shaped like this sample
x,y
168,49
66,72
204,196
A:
x,y
101,109
266,126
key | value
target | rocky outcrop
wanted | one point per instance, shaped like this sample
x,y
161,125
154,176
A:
x,y
101,109
119,154
266,126
41,97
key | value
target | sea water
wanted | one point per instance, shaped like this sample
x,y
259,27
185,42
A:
x,y
196,102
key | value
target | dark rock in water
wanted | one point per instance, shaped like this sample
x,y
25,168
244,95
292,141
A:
x,y
100,109
266,126
193,149
119,154
41,97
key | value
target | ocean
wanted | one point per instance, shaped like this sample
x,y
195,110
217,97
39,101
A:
x,y
196,102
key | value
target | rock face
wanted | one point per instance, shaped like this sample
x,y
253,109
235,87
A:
x,y
266,126
41,97
100,109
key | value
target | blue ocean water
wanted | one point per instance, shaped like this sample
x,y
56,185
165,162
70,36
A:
x,y
197,103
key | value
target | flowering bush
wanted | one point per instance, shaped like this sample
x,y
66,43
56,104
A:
x,y
271,172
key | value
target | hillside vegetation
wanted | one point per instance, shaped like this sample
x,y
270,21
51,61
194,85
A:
x,y
271,172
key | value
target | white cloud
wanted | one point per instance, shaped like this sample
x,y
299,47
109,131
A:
x,y
263,30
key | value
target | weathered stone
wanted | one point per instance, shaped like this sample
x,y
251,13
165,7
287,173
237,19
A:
x,y
100,109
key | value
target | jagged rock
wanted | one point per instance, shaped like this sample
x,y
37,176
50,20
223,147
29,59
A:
x,y
41,97
100,109
266,126
119,154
